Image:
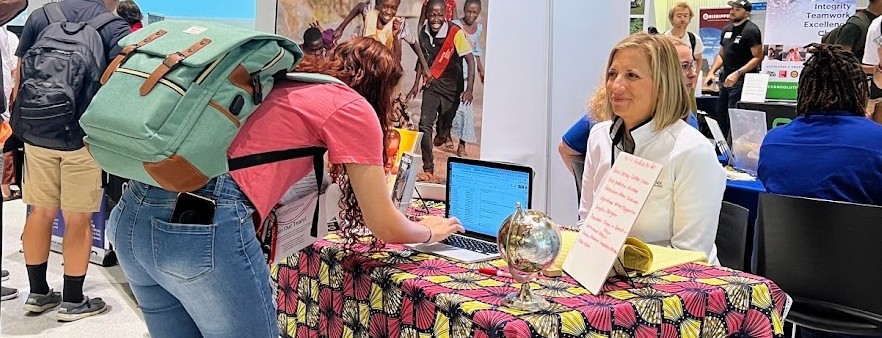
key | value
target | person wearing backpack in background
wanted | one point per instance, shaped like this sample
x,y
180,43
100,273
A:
x,y
61,173
853,36
680,16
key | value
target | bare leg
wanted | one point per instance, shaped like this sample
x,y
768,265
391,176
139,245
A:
x,y
77,245
37,234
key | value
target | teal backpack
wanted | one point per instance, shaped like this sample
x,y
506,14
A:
x,y
173,100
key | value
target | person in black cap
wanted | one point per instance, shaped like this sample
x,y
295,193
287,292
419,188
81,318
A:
x,y
741,51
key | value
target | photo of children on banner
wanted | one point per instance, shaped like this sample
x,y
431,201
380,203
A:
x,y
446,38
784,53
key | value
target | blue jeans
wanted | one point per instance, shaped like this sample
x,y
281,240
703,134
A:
x,y
194,280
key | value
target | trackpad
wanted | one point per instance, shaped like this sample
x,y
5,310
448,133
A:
x,y
451,252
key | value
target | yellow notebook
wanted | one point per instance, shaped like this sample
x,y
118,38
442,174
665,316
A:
x,y
398,142
635,255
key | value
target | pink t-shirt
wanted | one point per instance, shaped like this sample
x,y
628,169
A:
x,y
298,115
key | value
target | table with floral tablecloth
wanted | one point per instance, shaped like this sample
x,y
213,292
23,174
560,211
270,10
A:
x,y
328,292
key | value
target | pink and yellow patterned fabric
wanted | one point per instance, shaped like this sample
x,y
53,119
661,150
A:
x,y
325,292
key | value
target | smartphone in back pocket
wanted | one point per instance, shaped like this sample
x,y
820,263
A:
x,y
193,209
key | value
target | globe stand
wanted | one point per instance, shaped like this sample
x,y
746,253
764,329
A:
x,y
529,242
525,300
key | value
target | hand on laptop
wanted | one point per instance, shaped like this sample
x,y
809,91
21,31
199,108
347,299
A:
x,y
441,227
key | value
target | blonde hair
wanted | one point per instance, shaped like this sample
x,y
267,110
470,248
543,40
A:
x,y
596,111
671,96
680,5
693,104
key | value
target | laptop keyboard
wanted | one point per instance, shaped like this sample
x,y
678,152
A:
x,y
471,244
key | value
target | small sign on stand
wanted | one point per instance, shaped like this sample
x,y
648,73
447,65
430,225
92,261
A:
x,y
612,215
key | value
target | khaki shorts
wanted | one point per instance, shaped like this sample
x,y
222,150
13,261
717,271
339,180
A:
x,y
69,180
873,111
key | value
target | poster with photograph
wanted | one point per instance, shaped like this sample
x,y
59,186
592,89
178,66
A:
x,y
638,7
636,24
711,22
790,25
451,126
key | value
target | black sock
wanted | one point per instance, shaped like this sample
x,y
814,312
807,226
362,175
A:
x,y
73,289
37,278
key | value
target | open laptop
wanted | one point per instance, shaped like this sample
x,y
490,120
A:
x,y
481,194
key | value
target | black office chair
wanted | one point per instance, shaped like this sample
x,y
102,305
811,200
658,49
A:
x,y
826,256
578,170
731,237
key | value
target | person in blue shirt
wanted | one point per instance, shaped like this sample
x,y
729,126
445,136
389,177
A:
x,y
575,140
832,151
574,143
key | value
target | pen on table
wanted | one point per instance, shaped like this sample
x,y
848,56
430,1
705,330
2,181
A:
x,y
494,272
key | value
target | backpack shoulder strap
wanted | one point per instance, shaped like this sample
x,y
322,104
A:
x,y
318,165
313,78
692,40
101,20
54,13
863,17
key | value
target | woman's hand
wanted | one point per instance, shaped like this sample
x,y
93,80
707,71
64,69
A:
x,y
441,228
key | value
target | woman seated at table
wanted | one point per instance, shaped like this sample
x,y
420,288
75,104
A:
x,y
832,151
648,103
175,270
573,143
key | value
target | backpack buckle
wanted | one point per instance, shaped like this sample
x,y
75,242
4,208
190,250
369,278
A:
x,y
173,60
169,63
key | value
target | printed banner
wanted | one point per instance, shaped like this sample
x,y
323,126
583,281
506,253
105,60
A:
x,y
790,25
100,244
711,22
456,112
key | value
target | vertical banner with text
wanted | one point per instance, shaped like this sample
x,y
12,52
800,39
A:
x,y
790,25
711,22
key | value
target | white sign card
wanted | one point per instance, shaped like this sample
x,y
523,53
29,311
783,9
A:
x,y
294,218
610,219
755,87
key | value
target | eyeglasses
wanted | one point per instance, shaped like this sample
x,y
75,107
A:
x,y
688,66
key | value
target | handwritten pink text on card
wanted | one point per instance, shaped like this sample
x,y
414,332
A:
x,y
612,215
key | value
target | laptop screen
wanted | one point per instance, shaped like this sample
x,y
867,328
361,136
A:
x,y
481,197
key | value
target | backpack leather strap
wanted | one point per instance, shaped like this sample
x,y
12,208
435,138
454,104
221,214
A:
x,y
171,61
126,52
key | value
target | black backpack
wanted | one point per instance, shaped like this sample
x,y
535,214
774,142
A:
x,y
692,42
859,19
60,74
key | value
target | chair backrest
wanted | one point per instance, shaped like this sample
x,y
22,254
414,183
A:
x,y
780,121
578,170
731,237
822,253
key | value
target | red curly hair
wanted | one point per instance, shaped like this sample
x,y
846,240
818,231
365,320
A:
x,y
369,68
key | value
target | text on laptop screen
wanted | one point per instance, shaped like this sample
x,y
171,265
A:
x,y
482,197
